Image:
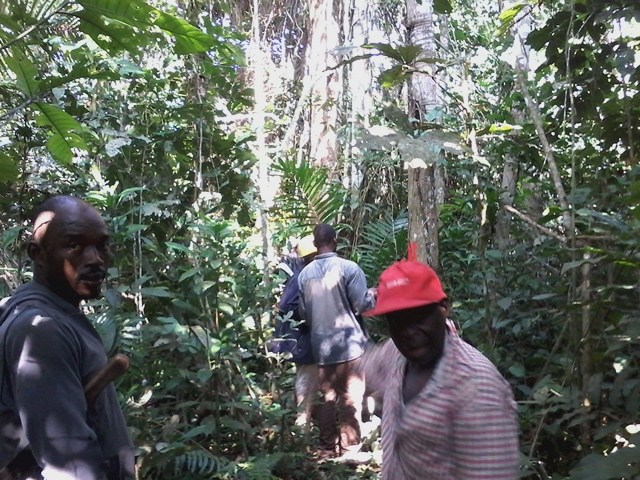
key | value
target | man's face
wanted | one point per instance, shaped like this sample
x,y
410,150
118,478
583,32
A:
x,y
419,333
72,252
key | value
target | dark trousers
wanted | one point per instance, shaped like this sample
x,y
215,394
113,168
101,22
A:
x,y
339,412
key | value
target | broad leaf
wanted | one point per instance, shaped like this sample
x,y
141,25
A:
x,y
132,12
156,292
623,463
386,50
393,76
508,16
64,128
26,74
140,15
409,53
8,168
578,263
189,39
110,35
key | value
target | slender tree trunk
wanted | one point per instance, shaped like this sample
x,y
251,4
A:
x,y
584,294
324,38
265,194
510,169
423,183
358,85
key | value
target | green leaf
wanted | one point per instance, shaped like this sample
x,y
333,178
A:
x,y
393,76
131,12
225,308
508,16
578,263
206,429
135,228
517,370
623,463
442,6
544,296
189,39
26,74
204,286
110,35
8,168
233,424
141,16
64,128
178,246
409,54
498,128
386,50
188,274
156,292
505,302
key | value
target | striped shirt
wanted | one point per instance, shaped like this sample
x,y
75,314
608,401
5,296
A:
x,y
461,426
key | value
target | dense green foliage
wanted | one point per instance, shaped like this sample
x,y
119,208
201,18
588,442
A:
x,y
149,117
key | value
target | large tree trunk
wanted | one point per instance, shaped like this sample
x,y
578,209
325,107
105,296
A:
x,y
324,38
424,181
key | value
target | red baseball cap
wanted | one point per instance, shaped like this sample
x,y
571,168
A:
x,y
407,284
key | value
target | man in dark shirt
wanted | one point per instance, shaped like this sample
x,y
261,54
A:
x,y
48,352
295,336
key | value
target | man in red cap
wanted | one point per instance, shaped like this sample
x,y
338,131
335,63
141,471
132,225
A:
x,y
448,413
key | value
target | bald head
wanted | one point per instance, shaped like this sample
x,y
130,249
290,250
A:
x,y
69,247
55,207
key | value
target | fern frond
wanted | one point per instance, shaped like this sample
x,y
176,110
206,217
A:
x,y
198,462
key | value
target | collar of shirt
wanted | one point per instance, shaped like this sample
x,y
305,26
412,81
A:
x,y
440,376
326,255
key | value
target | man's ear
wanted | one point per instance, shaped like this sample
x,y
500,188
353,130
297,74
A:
x,y
444,305
35,252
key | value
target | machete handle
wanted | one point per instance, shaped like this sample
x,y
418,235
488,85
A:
x,y
114,368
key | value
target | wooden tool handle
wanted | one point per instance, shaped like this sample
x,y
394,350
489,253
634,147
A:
x,y
115,367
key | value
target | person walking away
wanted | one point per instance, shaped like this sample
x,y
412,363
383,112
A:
x,y
294,337
333,292
448,413
48,351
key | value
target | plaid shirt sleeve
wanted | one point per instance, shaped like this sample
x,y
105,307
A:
x,y
485,432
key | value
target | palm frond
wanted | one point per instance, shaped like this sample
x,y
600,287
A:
x,y
383,242
308,195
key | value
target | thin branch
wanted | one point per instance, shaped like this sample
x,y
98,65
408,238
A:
x,y
534,224
536,117
15,110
